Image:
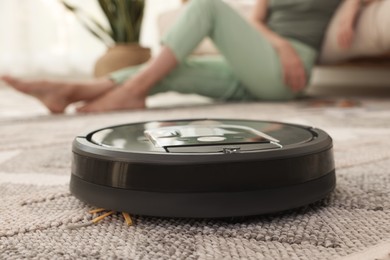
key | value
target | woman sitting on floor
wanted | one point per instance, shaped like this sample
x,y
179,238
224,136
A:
x,y
270,58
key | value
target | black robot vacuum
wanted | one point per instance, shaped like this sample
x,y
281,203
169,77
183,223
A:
x,y
203,168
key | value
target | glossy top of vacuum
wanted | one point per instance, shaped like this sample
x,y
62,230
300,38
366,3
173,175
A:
x,y
172,140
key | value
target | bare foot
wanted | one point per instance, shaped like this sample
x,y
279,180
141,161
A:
x,y
121,98
57,95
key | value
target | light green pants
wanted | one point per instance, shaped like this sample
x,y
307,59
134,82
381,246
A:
x,y
248,69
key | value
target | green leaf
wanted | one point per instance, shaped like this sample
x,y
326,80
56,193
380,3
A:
x,y
124,18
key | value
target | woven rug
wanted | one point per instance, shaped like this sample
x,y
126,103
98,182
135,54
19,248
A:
x,y
36,208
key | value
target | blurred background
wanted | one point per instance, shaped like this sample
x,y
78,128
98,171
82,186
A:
x,y
42,38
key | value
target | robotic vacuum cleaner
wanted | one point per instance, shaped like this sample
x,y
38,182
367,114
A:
x,y
203,168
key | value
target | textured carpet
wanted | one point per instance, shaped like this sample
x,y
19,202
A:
x,y
36,207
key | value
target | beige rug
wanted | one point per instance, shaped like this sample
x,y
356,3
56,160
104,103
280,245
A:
x,y
36,207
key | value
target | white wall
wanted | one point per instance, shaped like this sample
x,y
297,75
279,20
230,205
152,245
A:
x,y
40,37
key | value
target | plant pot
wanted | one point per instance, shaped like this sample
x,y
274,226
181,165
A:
x,y
121,56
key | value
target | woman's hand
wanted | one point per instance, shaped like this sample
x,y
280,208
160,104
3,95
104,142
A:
x,y
294,73
348,15
345,35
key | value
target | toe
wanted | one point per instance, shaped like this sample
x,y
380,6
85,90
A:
x,y
15,83
8,79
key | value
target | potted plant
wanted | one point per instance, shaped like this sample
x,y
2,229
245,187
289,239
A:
x,y
121,38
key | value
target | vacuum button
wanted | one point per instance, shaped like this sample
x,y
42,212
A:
x,y
231,150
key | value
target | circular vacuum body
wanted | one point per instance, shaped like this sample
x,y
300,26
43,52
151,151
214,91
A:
x,y
206,168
